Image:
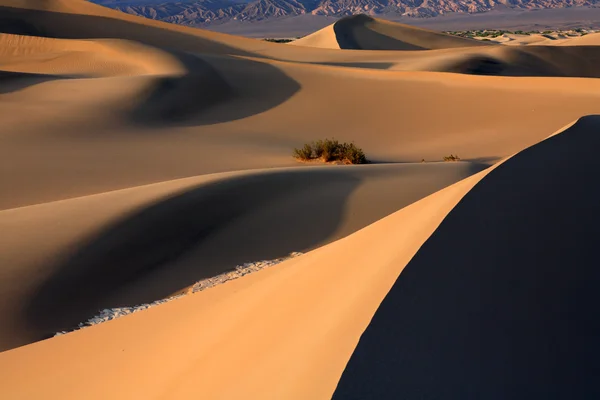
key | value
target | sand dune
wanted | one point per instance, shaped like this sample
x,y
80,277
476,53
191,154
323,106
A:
x,y
361,32
592,39
311,348
512,308
88,263
92,144
291,325
82,58
511,39
139,157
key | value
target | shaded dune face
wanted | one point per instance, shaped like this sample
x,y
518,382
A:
x,y
164,246
354,33
241,87
357,33
500,301
481,65
362,32
16,26
172,99
161,234
15,81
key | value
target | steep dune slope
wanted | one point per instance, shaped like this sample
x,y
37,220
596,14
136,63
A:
x,y
362,32
505,288
292,330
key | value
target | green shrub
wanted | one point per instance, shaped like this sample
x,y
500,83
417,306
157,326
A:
x,y
278,40
318,148
452,157
329,150
305,153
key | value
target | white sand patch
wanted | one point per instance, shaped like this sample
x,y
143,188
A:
x,y
112,313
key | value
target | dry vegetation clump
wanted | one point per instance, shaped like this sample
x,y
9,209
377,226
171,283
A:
x,y
330,150
452,157
283,40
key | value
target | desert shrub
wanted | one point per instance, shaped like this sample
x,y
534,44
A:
x,y
329,150
452,157
278,40
318,148
305,153
354,155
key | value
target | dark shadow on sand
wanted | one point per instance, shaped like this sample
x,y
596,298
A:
x,y
190,224
367,65
207,230
501,301
346,35
213,90
15,81
542,61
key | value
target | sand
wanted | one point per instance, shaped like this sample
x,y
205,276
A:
x,y
140,157
361,32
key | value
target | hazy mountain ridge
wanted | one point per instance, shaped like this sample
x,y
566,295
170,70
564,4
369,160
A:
x,y
206,11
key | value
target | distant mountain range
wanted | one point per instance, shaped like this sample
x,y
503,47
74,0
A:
x,y
197,12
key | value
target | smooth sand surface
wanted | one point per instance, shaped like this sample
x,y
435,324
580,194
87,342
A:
x,y
139,157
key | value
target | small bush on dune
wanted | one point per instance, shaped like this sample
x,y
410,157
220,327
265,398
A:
x,y
305,153
329,150
318,148
353,154
278,40
452,157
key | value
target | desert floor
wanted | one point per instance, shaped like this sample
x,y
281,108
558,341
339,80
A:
x,y
138,157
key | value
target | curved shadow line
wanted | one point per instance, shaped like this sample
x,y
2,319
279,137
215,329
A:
x,y
155,239
501,301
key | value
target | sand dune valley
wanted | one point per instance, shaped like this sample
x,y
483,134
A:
x,y
149,188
